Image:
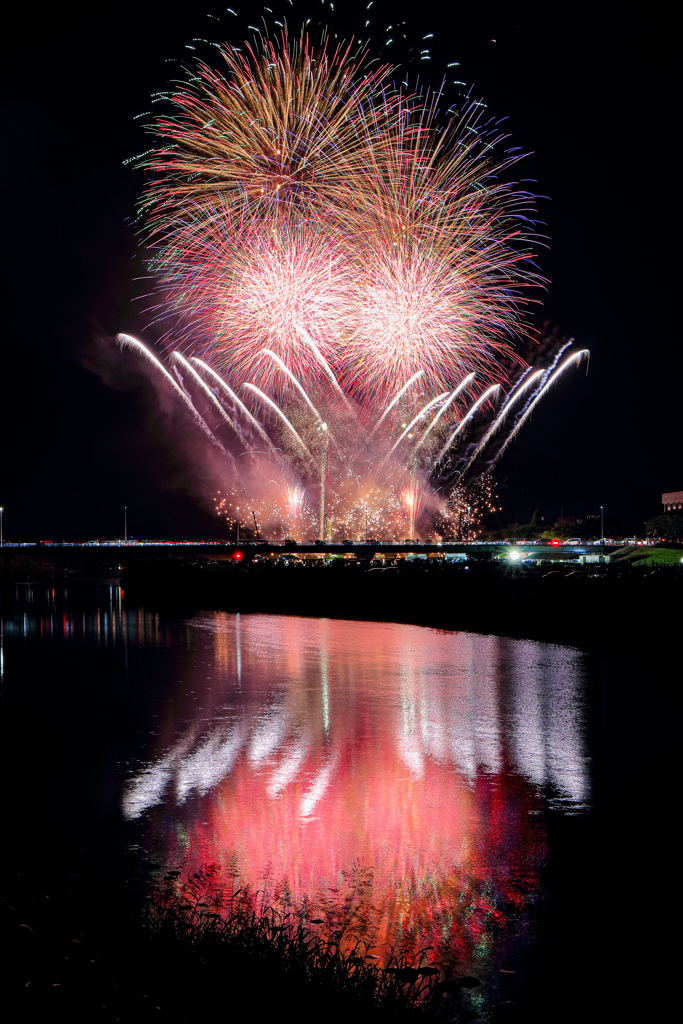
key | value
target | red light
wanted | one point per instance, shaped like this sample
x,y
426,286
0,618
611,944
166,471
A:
x,y
237,555
555,543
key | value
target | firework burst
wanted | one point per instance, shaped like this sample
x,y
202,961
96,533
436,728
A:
x,y
348,284
274,129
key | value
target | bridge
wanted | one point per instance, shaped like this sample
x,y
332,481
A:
x,y
111,553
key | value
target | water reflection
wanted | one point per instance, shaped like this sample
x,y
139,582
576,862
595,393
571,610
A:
x,y
88,613
389,775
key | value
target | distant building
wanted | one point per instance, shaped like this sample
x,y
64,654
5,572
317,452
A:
x,y
672,500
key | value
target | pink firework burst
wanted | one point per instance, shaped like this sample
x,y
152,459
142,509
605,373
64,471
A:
x,y
444,256
257,291
288,286
417,311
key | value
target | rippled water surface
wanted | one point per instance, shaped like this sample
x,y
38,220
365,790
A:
x,y
400,768
403,785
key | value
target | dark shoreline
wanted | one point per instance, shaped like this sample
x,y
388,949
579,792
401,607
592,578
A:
x,y
592,607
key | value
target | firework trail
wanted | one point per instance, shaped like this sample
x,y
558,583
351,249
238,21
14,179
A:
x,y
397,398
493,390
317,236
290,376
574,358
483,449
500,419
340,214
443,398
453,395
444,258
303,333
231,394
128,341
278,412
176,357
264,133
413,496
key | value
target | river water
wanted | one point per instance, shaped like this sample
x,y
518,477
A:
x,y
447,796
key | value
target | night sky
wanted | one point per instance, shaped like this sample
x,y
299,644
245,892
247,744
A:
x,y
589,93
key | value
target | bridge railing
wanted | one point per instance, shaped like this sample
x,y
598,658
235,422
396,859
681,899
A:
x,y
328,545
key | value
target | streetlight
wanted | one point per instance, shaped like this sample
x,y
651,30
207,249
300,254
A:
x,y
238,526
125,523
324,465
602,525
1,511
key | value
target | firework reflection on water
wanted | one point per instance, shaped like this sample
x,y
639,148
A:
x,y
386,780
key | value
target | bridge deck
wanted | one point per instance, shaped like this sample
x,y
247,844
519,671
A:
x,y
360,548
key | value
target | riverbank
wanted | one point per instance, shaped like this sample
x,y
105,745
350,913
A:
x,y
85,944
590,605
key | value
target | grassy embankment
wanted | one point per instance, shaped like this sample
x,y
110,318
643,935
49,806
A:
x,y
650,556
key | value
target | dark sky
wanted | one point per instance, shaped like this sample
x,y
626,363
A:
x,y
587,90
